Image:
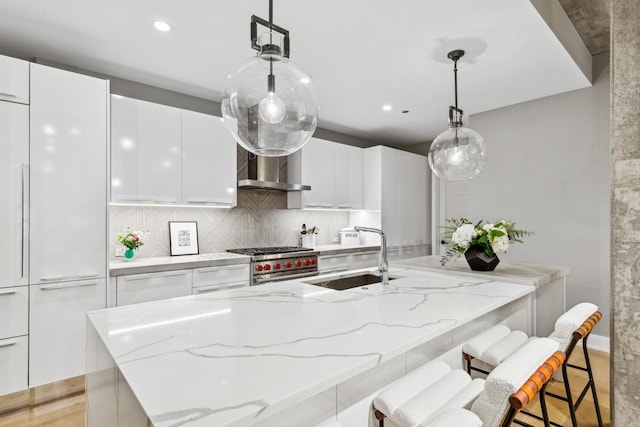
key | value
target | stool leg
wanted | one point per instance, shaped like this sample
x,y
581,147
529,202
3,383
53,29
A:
x,y
591,381
543,406
567,390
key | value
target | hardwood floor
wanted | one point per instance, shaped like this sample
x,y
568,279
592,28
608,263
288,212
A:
x,y
69,412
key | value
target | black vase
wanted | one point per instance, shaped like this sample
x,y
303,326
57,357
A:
x,y
478,260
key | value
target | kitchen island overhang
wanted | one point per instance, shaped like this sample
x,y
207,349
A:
x,y
239,357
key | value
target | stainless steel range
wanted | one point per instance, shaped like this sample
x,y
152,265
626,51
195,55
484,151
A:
x,y
271,264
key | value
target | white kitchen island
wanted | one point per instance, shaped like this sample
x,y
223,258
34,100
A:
x,y
283,354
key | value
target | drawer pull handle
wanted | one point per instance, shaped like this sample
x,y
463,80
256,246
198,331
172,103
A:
x,y
55,288
221,287
8,95
209,270
8,343
334,270
131,279
7,292
65,278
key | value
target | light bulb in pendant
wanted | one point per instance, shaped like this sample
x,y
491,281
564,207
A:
x,y
456,156
272,109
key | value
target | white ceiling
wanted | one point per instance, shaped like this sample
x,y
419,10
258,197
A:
x,y
361,53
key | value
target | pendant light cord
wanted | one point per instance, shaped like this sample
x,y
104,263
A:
x,y
455,86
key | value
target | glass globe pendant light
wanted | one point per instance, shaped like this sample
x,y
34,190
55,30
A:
x,y
458,153
270,104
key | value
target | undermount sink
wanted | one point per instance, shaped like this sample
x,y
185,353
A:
x,y
347,282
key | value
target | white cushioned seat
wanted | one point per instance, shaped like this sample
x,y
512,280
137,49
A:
x,y
484,340
495,354
424,404
405,388
455,417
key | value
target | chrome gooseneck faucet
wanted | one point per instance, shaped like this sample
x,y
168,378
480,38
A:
x,y
384,265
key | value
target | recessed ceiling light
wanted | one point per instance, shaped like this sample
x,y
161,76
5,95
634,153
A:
x,y
161,26
386,107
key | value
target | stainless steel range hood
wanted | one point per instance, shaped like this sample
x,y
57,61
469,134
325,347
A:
x,y
264,174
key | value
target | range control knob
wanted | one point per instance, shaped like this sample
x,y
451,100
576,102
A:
x,y
299,263
259,268
288,265
267,267
313,262
278,266
307,262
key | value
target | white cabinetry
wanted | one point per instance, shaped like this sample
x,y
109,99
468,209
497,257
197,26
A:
x,y
58,328
145,151
209,167
14,311
14,192
13,364
14,80
347,177
14,342
334,172
397,185
68,217
14,220
210,279
347,261
137,288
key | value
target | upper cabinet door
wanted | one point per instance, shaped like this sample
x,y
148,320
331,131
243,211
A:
x,y
209,163
318,172
348,177
14,80
145,151
14,193
68,171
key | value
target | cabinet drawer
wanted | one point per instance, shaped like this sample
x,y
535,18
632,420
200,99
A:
x,y
220,275
14,80
220,287
13,364
364,260
14,311
137,288
332,263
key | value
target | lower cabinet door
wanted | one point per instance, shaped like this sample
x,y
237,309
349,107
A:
x,y
137,288
58,325
13,364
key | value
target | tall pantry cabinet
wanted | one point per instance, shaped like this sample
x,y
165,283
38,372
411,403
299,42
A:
x,y
14,198
68,217
53,217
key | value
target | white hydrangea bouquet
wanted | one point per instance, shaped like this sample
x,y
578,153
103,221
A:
x,y
460,234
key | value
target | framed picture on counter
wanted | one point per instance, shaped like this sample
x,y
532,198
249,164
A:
x,y
183,237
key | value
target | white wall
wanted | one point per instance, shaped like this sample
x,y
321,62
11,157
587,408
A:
x,y
548,170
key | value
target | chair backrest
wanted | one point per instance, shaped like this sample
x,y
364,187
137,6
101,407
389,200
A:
x,y
571,321
534,384
493,405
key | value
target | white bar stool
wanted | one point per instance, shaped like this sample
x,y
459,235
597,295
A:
x,y
496,343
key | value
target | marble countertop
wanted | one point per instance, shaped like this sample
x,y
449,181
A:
x,y
530,274
167,263
122,267
236,357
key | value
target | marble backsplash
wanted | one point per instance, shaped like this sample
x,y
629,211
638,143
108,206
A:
x,y
256,223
